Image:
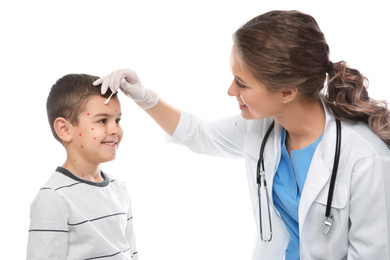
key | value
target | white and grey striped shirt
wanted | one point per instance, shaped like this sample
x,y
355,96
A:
x,y
76,219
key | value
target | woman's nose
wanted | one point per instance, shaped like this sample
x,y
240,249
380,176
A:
x,y
232,90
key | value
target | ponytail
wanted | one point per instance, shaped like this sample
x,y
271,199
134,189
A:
x,y
347,98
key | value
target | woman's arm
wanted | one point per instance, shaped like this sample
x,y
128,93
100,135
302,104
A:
x,y
222,138
165,115
370,210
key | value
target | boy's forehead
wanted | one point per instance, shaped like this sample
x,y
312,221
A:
x,y
95,104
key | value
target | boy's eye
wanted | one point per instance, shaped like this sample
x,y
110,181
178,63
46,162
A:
x,y
117,120
102,121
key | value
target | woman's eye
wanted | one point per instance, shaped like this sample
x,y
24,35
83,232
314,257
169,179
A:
x,y
239,84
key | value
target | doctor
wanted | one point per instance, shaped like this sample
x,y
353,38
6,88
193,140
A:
x,y
280,63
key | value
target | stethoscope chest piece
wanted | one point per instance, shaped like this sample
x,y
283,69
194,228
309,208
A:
x,y
327,224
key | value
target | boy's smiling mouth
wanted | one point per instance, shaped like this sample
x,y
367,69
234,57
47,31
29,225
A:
x,y
110,143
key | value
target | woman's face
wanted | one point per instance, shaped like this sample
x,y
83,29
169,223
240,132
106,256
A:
x,y
255,100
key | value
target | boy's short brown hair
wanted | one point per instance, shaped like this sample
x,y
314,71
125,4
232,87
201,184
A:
x,y
68,96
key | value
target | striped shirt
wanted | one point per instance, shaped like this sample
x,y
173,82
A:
x,y
76,219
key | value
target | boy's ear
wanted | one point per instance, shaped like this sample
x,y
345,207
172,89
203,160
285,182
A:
x,y
61,126
288,95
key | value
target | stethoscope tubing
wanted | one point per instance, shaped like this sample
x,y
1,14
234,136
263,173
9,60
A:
x,y
335,168
328,221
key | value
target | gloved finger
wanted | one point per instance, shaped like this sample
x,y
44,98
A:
x,y
130,76
104,87
119,79
98,81
111,82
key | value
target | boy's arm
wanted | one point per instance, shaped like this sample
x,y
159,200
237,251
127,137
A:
x,y
129,232
48,233
130,235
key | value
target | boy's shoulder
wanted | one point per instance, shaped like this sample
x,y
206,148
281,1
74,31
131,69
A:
x,y
57,180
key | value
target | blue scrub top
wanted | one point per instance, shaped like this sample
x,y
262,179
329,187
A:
x,y
287,189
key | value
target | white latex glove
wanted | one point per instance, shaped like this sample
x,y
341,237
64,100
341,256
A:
x,y
128,81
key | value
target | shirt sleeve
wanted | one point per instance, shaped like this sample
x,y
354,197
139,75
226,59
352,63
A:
x,y
48,233
224,137
370,210
130,233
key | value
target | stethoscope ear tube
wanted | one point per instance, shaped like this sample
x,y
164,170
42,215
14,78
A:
x,y
328,221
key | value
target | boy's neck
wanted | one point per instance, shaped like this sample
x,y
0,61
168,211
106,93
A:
x,y
88,172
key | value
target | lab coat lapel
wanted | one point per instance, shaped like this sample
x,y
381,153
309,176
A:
x,y
317,177
318,174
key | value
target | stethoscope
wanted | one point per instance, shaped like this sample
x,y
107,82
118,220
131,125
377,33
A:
x,y
328,221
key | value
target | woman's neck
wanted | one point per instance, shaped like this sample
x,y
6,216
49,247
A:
x,y
304,121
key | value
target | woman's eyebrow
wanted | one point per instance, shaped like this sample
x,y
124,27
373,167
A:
x,y
239,79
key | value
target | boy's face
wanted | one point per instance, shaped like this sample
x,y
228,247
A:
x,y
97,136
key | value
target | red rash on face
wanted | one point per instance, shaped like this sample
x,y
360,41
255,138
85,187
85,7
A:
x,y
82,146
80,134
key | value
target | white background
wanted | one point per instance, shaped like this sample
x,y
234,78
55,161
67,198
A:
x,y
185,206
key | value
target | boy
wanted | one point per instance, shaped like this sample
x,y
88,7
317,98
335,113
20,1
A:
x,y
81,212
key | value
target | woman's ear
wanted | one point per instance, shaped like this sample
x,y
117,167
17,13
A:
x,y
61,126
288,95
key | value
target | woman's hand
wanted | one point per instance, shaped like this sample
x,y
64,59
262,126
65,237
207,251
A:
x,y
128,81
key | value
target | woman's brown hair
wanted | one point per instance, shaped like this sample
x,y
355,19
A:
x,y
287,49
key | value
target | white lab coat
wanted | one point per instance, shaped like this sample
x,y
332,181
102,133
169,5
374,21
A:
x,y
361,200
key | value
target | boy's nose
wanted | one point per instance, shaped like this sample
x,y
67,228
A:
x,y
115,130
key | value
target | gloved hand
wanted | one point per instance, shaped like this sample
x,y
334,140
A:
x,y
127,80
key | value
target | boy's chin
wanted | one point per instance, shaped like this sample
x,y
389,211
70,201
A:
x,y
106,159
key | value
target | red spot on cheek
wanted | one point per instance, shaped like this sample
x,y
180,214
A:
x,y
113,153
80,134
95,154
82,146
92,129
74,160
87,114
